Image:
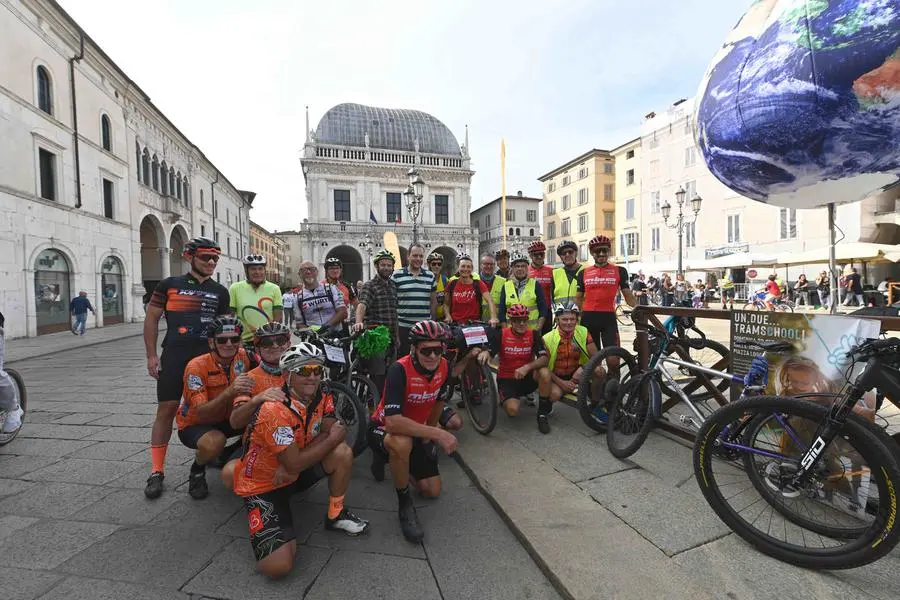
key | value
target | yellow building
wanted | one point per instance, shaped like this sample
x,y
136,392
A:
x,y
579,202
273,248
629,203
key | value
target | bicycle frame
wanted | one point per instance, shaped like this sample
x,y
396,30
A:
x,y
661,359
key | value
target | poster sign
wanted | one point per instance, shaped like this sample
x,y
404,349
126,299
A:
x,y
751,273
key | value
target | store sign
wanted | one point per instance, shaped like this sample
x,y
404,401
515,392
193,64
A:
x,y
717,251
752,273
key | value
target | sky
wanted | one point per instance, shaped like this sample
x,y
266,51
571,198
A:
x,y
554,78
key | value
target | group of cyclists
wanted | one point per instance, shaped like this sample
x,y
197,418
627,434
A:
x,y
229,370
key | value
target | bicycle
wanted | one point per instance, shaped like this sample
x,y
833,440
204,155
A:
x,y
623,314
21,398
828,477
478,388
758,302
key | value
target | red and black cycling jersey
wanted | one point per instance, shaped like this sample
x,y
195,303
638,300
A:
x,y
516,351
189,307
600,286
410,393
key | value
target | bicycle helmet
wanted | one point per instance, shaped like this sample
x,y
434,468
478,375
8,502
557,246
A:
x,y
224,324
517,311
271,330
383,254
463,257
501,253
436,256
564,307
566,244
516,258
254,259
333,261
600,241
300,355
428,331
201,243
536,246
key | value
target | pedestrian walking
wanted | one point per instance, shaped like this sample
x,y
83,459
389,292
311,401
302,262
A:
x,y
802,290
823,289
78,308
854,288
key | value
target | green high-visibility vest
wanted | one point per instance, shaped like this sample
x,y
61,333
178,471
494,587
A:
x,y
528,297
563,289
552,339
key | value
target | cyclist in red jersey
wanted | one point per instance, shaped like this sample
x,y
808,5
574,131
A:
x,y
271,340
404,428
598,286
543,275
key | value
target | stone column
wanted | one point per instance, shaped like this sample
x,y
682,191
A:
x,y
165,265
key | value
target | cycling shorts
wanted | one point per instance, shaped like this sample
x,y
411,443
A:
x,y
516,388
603,327
189,436
269,515
423,460
172,362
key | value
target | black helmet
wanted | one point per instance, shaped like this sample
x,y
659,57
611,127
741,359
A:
x,y
333,261
566,244
271,329
224,324
201,243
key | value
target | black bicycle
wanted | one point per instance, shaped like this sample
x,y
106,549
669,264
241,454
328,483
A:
x,y
21,398
809,483
477,386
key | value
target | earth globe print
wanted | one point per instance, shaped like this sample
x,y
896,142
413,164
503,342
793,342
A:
x,y
801,105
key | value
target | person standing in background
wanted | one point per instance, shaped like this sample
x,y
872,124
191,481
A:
x,y
415,287
78,308
801,288
287,302
823,289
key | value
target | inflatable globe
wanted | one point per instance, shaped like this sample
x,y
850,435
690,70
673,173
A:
x,y
801,106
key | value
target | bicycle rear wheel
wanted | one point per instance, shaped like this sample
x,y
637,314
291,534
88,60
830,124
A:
x,y
366,390
597,391
352,413
631,415
480,397
21,398
843,515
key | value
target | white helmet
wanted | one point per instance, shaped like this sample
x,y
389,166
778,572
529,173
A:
x,y
254,259
300,355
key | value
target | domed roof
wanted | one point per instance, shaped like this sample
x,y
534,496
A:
x,y
388,128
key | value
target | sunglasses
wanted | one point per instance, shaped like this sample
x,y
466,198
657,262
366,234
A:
x,y
268,342
232,339
208,257
600,251
568,253
310,370
431,351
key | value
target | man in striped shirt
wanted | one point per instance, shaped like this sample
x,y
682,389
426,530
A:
x,y
414,289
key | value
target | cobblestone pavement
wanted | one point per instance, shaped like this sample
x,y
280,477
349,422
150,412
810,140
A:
x,y
74,522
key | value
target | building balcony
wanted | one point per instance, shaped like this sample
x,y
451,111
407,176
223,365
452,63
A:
x,y
175,208
361,229
383,157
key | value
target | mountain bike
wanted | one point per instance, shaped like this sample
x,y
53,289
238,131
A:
x,y
758,302
21,398
477,386
809,483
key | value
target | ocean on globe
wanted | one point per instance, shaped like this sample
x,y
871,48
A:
x,y
801,106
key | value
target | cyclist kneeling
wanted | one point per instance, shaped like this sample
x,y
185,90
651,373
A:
x,y
289,445
271,341
570,346
405,423
211,383
522,364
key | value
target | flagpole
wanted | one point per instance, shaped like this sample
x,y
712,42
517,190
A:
x,y
503,187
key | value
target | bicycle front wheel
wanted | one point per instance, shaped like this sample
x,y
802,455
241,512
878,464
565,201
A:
x,y
752,306
631,415
352,413
602,378
21,399
623,315
480,397
843,514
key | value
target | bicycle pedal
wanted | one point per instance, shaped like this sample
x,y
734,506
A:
x,y
689,421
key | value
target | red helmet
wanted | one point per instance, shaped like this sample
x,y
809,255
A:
x,y
516,311
537,246
600,241
428,331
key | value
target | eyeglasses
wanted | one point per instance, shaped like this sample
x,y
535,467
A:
x,y
308,269
568,253
435,264
231,339
600,251
207,257
431,351
268,342
309,370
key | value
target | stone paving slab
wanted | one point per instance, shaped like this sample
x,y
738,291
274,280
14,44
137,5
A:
x,y
124,507
124,434
43,447
80,470
112,451
83,588
57,431
11,487
384,535
53,500
70,419
47,544
9,524
26,584
355,575
16,466
125,420
20,349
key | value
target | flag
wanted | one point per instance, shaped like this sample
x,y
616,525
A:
x,y
399,220
372,216
503,187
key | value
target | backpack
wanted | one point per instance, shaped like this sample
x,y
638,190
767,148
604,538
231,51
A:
x,y
451,285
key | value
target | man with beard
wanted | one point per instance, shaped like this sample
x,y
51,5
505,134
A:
x,y
317,303
598,286
378,306
565,285
543,276
492,280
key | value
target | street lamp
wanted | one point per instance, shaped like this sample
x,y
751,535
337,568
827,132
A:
x,y
413,196
680,222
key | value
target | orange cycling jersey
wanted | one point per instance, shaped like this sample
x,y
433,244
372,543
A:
x,y
204,380
273,428
262,380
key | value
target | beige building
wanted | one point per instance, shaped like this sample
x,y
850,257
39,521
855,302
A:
x,y
522,224
628,202
273,248
579,201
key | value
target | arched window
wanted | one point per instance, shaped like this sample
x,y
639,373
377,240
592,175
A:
x,y
106,133
518,231
172,181
531,233
155,173
186,194
44,90
165,179
510,231
178,185
145,166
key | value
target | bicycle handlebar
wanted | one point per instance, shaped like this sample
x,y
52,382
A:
x,y
873,346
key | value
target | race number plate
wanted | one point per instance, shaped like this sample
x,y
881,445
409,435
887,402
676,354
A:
x,y
475,336
334,354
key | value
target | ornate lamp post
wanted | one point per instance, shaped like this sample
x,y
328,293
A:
x,y
413,196
367,247
680,222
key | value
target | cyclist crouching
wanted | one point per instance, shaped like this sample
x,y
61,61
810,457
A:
x,y
211,383
271,341
522,365
289,445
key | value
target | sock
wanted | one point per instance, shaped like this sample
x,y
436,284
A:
x,y
335,506
403,496
195,468
544,405
158,458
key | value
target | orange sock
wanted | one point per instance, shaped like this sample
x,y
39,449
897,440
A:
x,y
335,506
158,457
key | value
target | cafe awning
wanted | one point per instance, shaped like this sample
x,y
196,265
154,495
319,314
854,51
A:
x,y
858,252
730,261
